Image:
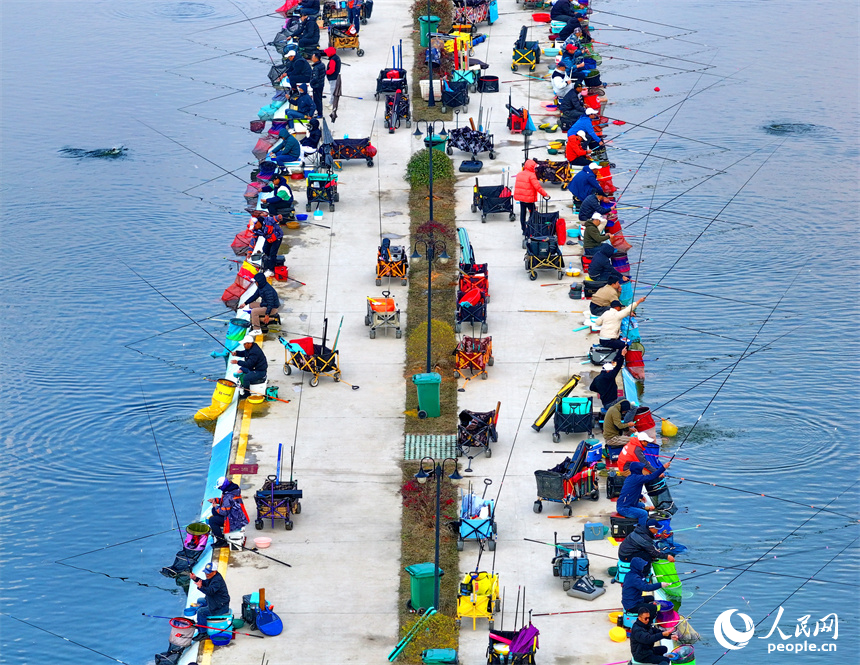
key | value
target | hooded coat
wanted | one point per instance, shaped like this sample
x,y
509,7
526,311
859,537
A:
x,y
527,186
584,183
560,10
642,639
332,71
591,235
289,148
631,491
600,267
231,507
604,383
639,544
305,105
633,451
634,584
574,148
314,135
267,295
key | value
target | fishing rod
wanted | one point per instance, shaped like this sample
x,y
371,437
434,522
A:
x,y
552,614
710,295
203,625
642,20
767,496
674,115
698,92
214,57
265,556
245,20
659,55
217,177
107,547
657,64
189,149
174,304
161,463
797,590
667,159
731,371
166,332
795,530
66,639
645,232
685,214
698,330
675,38
241,11
654,129
212,99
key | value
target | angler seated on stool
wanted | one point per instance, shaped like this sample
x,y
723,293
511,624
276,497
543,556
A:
x,y
252,367
217,599
642,638
268,297
228,513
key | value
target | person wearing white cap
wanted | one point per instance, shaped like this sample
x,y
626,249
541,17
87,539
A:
x,y
634,451
216,601
228,511
584,183
252,366
584,124
604,384
592,238
576,151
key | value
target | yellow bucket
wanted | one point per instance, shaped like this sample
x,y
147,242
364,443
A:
x,y
256,400
613,617
501,649
668,428
293,225
224,391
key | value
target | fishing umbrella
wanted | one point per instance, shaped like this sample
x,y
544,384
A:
x,y
335,99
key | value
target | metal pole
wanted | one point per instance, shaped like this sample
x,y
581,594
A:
x,y
431,99
431,250
438,472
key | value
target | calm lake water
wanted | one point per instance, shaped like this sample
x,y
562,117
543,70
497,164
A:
x,y
82,468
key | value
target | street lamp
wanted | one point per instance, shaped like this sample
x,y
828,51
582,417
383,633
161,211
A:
x,y
437,471
433,248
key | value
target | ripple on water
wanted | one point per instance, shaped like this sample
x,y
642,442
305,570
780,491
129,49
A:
x,y
795,128
174,11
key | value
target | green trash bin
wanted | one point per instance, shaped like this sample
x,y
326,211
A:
x,y
428,387
438,142
428,24
422,585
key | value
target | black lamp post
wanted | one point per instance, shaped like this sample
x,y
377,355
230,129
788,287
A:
x,y
433,248
437,471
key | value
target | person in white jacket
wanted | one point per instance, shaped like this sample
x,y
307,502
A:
x,y
561,83
610,323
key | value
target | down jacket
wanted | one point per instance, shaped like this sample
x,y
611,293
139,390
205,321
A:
x,y
527,185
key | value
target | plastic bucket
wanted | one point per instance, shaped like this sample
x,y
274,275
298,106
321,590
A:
x,y
541,18
199,528
224,391
262,542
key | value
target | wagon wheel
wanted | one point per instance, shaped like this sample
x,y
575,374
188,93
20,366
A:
x,y
556,437
288,525
565,585
367,318
594,495
484,376
331,209
372,334
488,452
444,110
532,275
491,545
378,283
511,216
298,509
258,525
483,219
484,328
335,198
457,327
403,282
568,510
513,68
369,163
360,52
449,150
336,377
398,333
538,506
287,369
492,154
308,207
474,208
491,361
315,381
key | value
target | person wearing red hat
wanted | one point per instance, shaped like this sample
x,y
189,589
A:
x,y
332,71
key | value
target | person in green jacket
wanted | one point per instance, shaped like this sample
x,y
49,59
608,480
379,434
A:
x,y
592,238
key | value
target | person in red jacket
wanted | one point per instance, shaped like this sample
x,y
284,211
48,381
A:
x,y
576,152
332,71
526,190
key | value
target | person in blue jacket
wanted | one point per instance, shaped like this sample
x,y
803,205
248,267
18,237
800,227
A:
x,y
269,303
584,124
354,14
228,512
600,269
584,183
305,107
287,150
631,491
635,583
253,364
216,601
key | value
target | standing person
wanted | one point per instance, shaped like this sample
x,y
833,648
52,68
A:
x,y
252,367
332,71
216,601
635,583
269,303
228,511
643,637
317,81
610,324
353,12
526,190
271,232
604,384
631,492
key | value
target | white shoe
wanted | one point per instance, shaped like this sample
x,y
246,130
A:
x,y
255,332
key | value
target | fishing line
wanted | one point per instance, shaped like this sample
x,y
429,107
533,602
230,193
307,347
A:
x,y
731,371
659,55
698,330
220,343
679,105
642,20
744,563
708,87
214,57
190,150
212,99
654,129
174,591
797,590
743,357
682,70
710,295
796,529
107,547
245,20
66,639
241,11
667,159
767,496
217,177
161,463
676,38
517,433
645,234
687,214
